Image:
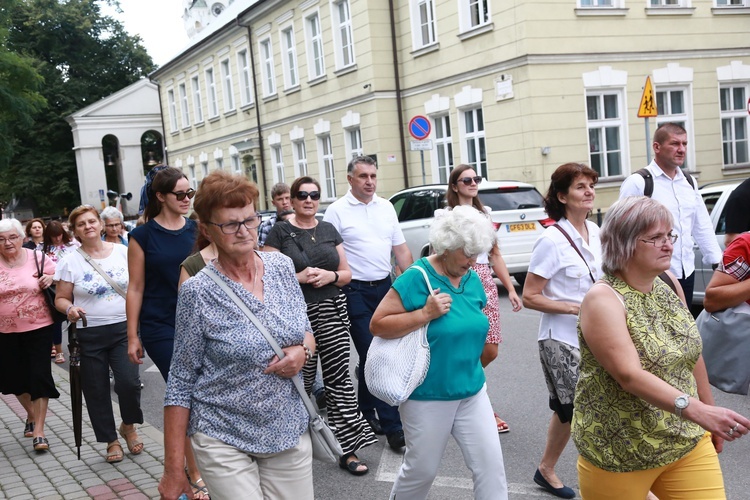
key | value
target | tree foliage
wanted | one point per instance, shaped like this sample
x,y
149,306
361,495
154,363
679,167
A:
x,y
82,56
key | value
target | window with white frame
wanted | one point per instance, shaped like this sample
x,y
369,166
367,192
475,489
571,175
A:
x,y
172,106
443,153
342,33
246,82
184,111
267,67
606,129
474,14
424,27
236,164
672,106
213,102
289,58
278,163
300,157
734,123
195,86
327,169
353,142
316,63
204,169
193,180
732,3
219,163
668,3
599,3
473,140
226,78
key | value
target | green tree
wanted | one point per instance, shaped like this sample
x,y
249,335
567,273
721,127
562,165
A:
x,y
83,56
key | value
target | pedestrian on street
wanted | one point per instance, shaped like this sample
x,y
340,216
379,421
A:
x,y
114,226
35,233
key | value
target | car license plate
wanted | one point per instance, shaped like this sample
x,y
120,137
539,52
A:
x,y
522,226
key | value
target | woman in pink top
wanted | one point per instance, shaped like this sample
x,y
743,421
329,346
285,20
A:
x,y
25,330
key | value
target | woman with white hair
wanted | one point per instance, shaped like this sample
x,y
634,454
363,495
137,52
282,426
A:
x,y
114,225
453,399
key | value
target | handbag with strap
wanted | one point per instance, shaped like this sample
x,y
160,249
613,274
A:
x,y
326,447
726,347
395,367
103,274
49,293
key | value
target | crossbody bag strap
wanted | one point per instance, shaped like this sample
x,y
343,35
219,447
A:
x,y
39,269
254,319
104,275
576,249
293,236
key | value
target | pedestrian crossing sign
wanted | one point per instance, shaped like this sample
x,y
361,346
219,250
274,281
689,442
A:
x,y
647,108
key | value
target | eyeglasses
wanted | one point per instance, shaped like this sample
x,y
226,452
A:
x,y
10,239
250,223
469,180
660,241
113,226
302,195
180,195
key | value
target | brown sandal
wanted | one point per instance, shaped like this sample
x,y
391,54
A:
x,y
114,452
135,446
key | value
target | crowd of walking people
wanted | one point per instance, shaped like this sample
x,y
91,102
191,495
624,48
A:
x,y
207,298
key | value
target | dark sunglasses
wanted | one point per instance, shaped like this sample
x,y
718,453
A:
x,y
180,195
468,180
302,195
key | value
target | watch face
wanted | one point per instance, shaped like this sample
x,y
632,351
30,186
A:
x,y
681,402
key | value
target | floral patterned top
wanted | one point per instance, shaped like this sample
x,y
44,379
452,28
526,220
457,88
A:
x,y
56,253
22,305
219,358
617,431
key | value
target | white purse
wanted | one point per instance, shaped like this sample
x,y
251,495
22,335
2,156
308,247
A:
x,y
395,367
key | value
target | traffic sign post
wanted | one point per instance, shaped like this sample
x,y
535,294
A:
x,y
420,128
648,109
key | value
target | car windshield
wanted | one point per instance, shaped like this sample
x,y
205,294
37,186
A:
x,y
512,198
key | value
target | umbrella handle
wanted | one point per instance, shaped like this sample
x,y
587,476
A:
x,y
84,323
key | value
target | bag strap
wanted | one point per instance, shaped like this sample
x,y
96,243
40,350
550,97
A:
x,y
39,268
424,274
274,345
567,236
290,232
104,275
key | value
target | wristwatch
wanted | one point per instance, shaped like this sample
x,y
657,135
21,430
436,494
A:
x,y
680,403
308,352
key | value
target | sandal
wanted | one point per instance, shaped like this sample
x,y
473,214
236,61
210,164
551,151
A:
x,y
59,358
114,452
40,444
135,446
53,353
353,466
199,492
502,425
28,430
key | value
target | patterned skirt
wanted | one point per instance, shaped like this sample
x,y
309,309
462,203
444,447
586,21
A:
x,y
492,310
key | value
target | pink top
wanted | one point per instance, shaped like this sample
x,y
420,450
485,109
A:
x,y
22,305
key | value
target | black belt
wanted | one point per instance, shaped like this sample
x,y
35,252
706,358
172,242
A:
x,y
387,279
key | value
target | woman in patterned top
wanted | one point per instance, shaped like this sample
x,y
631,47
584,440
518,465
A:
x,y
81,290
643,400
227,389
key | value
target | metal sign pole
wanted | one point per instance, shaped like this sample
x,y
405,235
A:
x,y
648,146
421,157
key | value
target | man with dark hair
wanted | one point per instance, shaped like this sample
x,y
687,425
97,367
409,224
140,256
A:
x,y
738,212
280,199
369,226
673,188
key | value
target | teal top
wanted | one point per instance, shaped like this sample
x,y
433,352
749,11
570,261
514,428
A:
x,y
456,339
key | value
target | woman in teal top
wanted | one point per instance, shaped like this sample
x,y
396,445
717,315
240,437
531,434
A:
x,y
453,399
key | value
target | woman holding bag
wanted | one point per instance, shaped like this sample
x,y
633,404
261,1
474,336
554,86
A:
x,y
83,289
452,399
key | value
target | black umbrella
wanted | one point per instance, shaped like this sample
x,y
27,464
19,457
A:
x,y
76,397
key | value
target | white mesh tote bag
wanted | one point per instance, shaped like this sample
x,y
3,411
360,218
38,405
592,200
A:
x,y
395,367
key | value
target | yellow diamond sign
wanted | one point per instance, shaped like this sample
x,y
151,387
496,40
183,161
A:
x,y
647,108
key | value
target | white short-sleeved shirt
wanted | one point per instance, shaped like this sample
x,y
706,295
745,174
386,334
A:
x,y
370,231
568,276
103,305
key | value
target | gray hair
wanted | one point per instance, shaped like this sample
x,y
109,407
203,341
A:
x,y
463,227
11,224
628,219
110,213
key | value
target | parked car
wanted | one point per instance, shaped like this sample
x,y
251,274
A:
x,y
715,197
517,214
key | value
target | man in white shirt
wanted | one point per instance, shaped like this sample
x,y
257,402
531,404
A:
x,y
692,223
369,226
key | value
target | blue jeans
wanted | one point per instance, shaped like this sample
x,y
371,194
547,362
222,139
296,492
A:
x,y
362,298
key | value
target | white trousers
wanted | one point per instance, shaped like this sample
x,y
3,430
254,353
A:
x,y
231,474
427,427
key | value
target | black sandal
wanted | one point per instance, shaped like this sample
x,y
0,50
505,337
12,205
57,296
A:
x,y
40,444
353,466
28,430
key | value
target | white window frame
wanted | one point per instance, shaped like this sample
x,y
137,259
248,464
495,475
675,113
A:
x,y
731,4
353,142
227,87
289,57
423,23
341,20
277,157
236,164
172,110
666,4
213,99
600,4
327,166
443,144
265,50
195,87
299,152
667,114
473,142
473,14
316,66
184,109
246,79
219,163
601,123
734,151
193,180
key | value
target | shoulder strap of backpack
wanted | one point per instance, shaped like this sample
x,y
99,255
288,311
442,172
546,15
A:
x,y
689,179
648,189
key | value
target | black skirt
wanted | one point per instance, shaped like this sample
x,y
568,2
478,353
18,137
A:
x,y
25,366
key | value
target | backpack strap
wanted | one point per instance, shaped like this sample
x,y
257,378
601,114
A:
x,y
648,189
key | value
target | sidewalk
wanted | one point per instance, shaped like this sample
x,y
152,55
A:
x,y
58,474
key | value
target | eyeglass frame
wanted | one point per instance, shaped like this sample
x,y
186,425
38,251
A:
x,y
113,226
313,195
670,236
12,239
180,195
468,181
240,224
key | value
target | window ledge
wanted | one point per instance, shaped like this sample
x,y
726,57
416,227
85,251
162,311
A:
x,y
199,124
247,106
476,31
601,11
611,181
174,132
349,69
425,49
214,119
729,10
231,112
670,11
292,90
736,168
185,129
270,98
317,80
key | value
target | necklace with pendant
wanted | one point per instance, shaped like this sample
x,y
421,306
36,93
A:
x,y
312,236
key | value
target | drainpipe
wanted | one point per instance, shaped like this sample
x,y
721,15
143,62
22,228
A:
x,y
397,81
165,159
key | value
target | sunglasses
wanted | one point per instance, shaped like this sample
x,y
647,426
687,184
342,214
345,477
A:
x,y
302,195
469,180
180,195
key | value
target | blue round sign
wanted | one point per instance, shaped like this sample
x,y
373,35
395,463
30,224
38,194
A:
x,y
419,127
